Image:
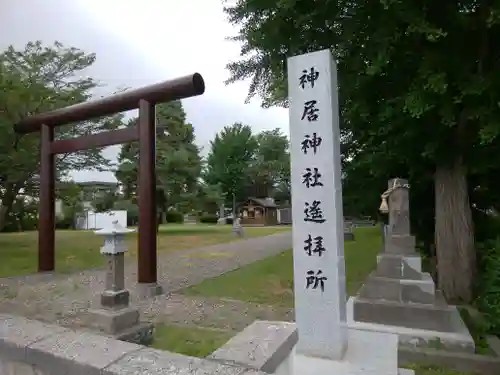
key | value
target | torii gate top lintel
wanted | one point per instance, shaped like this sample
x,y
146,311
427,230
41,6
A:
x,y
179,88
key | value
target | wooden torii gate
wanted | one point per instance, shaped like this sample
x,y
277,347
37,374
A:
x,y
143,99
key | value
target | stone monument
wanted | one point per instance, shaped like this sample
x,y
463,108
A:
x,y
190,219
398,296
115,317
320,341
237,227
222,215
348,231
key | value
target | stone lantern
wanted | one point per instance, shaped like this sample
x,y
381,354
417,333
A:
x,y
114,249
115,317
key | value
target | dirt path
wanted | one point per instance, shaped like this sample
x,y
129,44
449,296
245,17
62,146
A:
x,y
65,299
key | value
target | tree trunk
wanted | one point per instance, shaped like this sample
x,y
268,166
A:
x,y
454,232
158,222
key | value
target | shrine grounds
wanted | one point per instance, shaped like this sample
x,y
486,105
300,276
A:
x,y
215,287
260,290
79,250
261,287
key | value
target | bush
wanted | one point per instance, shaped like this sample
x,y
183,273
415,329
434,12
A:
x,y
209,219
486,227
29,223
15,224
488,301
229,220
174,216
66,222
132,219
11,224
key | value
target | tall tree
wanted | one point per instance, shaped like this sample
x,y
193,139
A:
x,y
271,164
230,158
33,80
178,157
418,84
209,198
127,172
178,163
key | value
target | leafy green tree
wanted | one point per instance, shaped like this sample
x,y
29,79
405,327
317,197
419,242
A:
x,y
127,171
69,192
23,216
230,158
106,202
178,163
271,164
36,79
209,198
419,88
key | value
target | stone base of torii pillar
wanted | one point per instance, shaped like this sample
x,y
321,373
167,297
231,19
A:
x,y
114,317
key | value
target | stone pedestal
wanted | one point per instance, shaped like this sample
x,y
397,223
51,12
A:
x,y
222,215
238,228
398,297
348,236
148,290
348,233
190,219
115,317
270,347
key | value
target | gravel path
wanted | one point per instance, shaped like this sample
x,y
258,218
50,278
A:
x,y
64,299
214,313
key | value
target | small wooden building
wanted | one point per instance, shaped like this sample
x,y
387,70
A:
x,y
259,211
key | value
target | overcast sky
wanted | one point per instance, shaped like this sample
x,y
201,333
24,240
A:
x,y
139,42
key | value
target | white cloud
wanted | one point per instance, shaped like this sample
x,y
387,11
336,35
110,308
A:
x,y
142,42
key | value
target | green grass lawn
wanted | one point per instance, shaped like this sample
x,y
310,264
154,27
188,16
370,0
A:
x,y
195,342
270,281
78,250
431,370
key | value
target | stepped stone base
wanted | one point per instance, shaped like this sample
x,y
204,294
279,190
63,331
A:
x,y
452,335
399,290
121,324
400,245
434,317
399,297
348,236
399,266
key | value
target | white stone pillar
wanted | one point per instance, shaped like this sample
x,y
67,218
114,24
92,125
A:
x,y
318,224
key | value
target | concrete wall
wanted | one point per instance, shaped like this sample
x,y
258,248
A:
x,y
263,346
29,347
